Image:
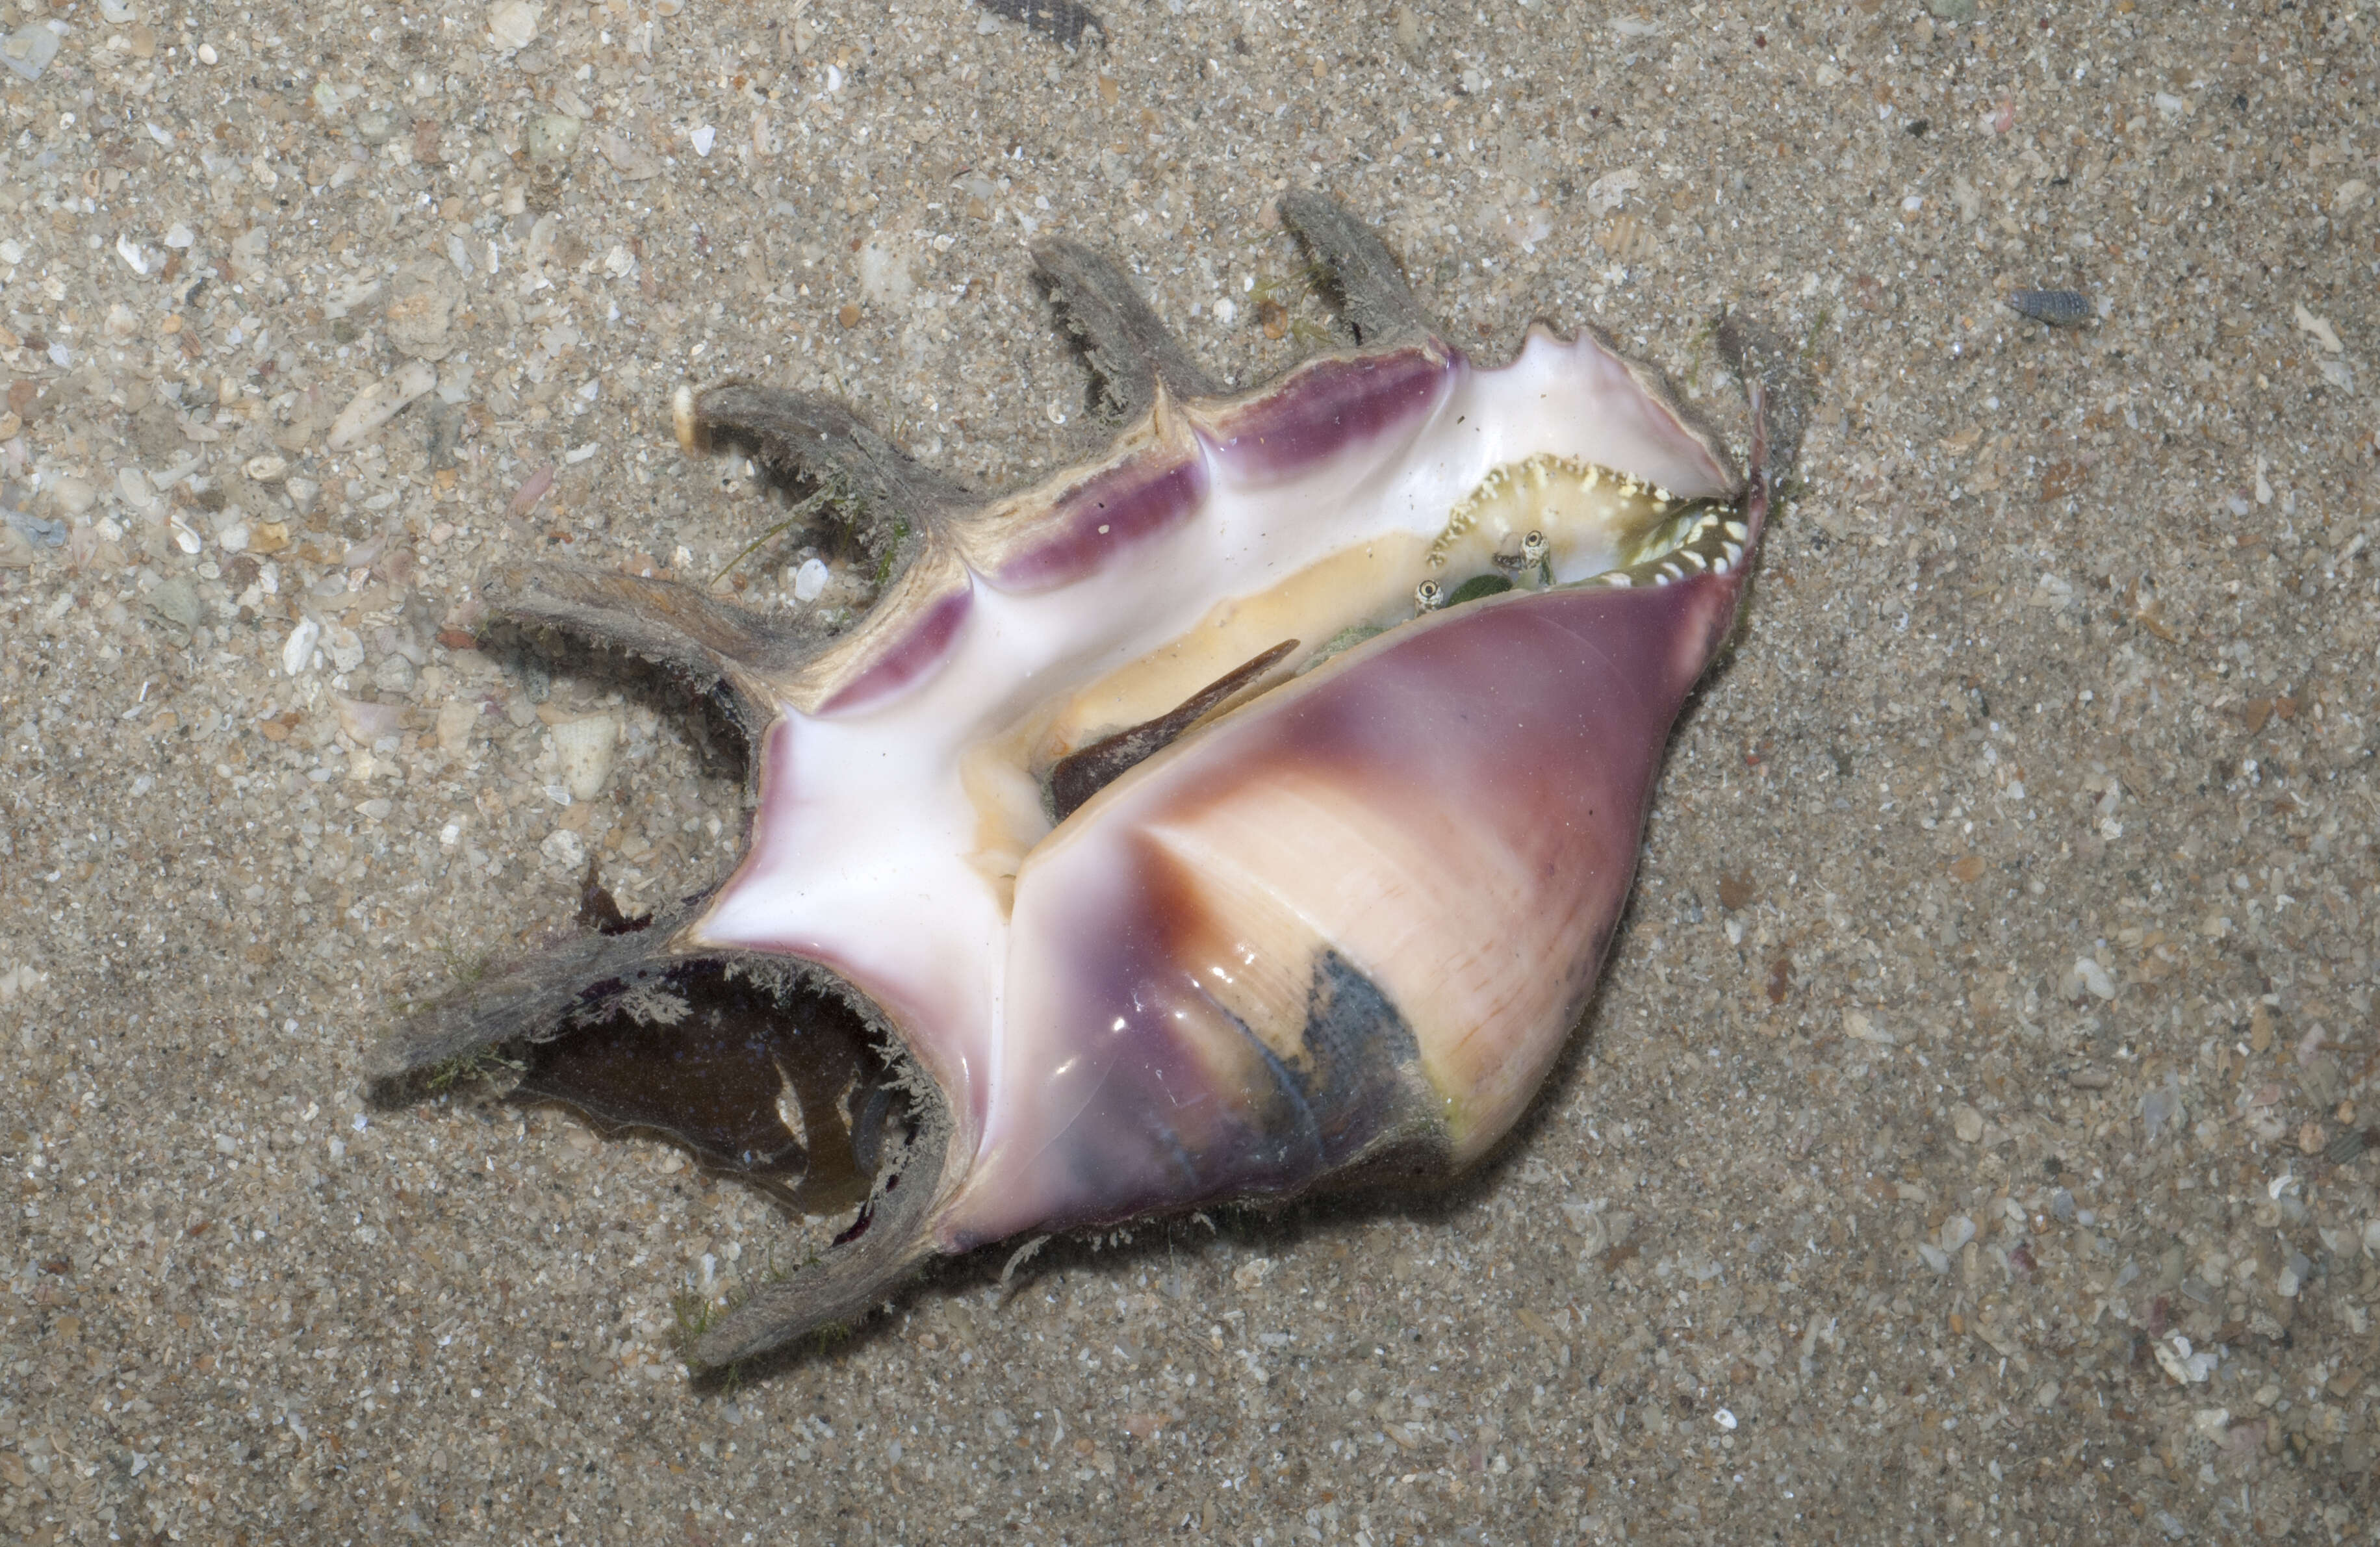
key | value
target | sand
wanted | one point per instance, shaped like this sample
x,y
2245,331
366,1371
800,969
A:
x,y
1968,1141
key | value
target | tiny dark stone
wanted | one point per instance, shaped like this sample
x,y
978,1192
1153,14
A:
x,y
36,529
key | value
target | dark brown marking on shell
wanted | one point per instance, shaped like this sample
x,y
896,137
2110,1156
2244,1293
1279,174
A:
x,y
1358,1061
1084,774
1351,1100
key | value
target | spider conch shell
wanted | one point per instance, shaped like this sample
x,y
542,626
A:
x,y
1243,812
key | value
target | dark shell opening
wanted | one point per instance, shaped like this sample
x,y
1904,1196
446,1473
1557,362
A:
x,y
783,1088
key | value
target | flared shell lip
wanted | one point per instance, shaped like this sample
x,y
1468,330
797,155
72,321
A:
x,y
1089,517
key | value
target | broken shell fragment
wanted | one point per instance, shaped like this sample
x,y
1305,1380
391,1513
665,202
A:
x,y
380,402
1245,811
584,746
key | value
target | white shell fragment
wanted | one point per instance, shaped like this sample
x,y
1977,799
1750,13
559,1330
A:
x,y
381,402
513,23
365,722
29,49
297,650
585,746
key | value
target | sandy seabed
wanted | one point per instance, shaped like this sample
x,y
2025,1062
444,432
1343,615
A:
x,y
1969,1140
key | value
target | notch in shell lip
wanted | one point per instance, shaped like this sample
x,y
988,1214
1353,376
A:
x,y
709,639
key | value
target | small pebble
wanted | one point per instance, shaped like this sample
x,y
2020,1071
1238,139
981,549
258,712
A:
x,y
132,488
395,674
178,602
513,23
458,724
344,647
29,49
74,495
2088,977
1860,1027
810,579
297,650
553,139
532,490
2160,1106
365,722
35,530
1967,1122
